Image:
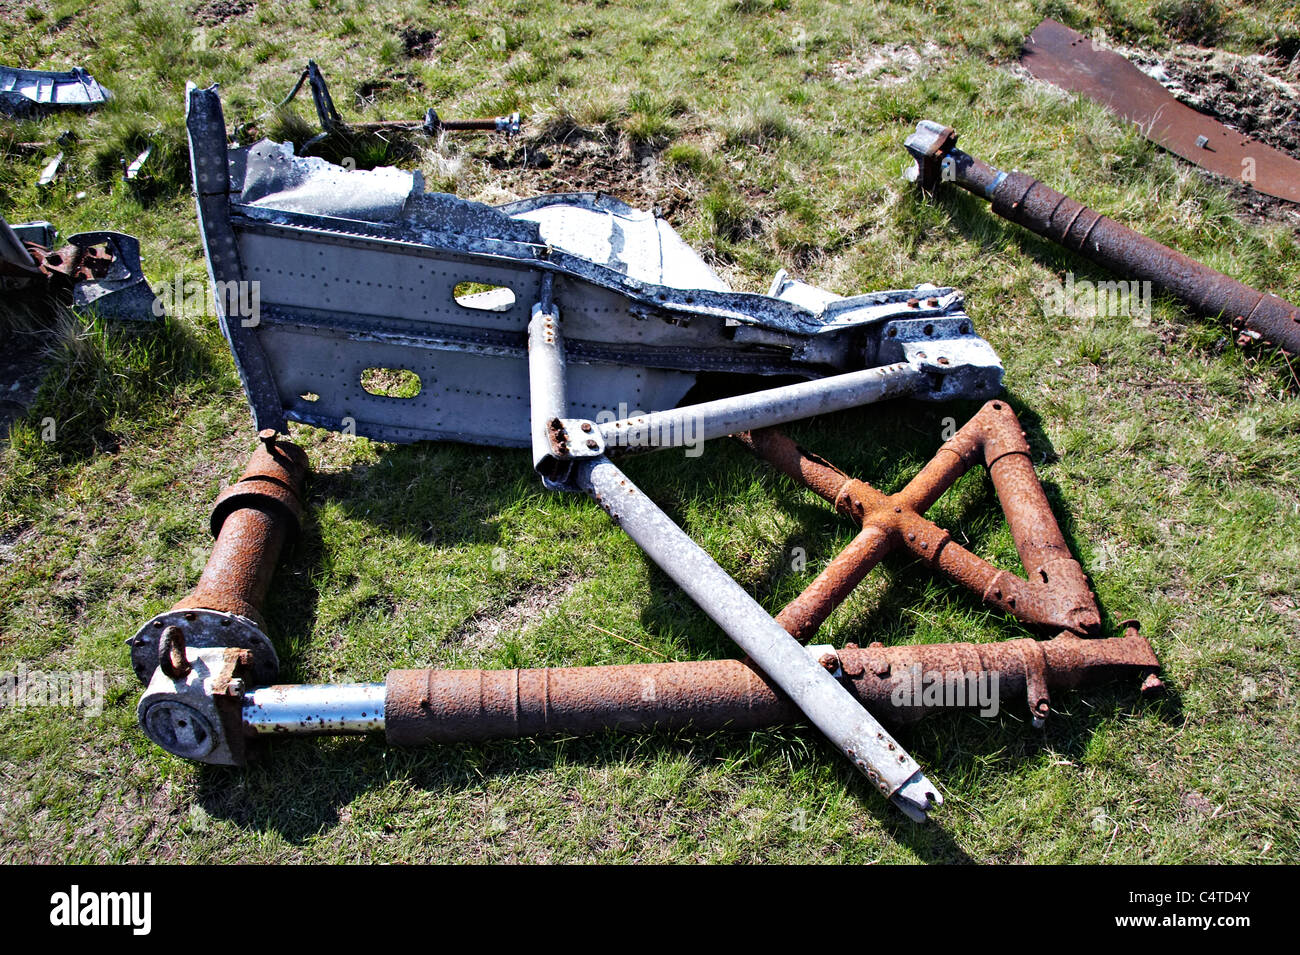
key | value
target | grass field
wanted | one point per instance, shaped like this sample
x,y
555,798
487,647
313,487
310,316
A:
x,y
770,133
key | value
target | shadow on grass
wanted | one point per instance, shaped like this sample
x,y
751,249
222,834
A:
x,y
297,788
435,492
99,370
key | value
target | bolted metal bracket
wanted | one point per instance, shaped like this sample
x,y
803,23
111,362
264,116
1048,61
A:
x,y
197,713
958,362
575,438
929,146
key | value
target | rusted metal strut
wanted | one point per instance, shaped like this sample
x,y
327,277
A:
x,y
251,521
1056,597
1256,316
211,685
1061,56
896,684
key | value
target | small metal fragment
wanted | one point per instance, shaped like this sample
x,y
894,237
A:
x,y
30,93
50,171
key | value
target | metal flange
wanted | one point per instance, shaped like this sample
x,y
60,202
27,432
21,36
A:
x,y
205,629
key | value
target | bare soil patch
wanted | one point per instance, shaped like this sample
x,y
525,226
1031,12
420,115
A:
x,y
1257,95
213,13
563,157
527,609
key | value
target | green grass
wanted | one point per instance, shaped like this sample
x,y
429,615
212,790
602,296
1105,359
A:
x,y
1172,460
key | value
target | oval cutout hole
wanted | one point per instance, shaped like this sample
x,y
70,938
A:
x,y
484,298
390,382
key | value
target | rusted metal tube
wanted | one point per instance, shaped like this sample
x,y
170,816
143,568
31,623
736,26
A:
x,y
1042,547
423,706
459,705
803,616
804,467
1256,316
251,521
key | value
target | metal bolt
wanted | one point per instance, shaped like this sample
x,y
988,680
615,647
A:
x,y
267,436
586,426
591,443
829,661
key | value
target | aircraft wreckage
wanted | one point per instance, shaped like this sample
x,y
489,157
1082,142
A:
x,y
537,324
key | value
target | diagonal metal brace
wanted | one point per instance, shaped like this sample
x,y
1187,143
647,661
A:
x,y
826,703
1056,595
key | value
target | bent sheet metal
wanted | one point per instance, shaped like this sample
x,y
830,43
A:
x,y
362,269
99,270
29,93
1060,56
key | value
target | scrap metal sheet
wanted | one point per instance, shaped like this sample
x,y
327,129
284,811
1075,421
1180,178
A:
x,y
1060,56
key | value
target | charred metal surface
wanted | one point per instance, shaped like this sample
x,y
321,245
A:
x,y
1056,596
423,706
251,521
1256,316
1058,55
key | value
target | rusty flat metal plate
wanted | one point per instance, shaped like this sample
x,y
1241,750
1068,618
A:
x,y
1060,56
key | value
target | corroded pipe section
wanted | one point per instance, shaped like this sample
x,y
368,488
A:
x,y
457,705
896,684
251,521
1256,316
